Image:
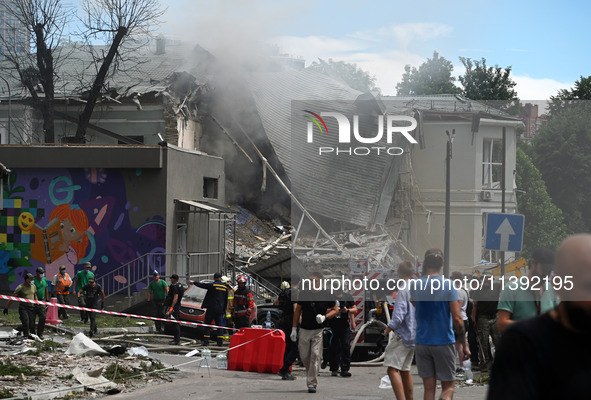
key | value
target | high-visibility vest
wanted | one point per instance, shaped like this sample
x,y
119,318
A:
x,y
64,285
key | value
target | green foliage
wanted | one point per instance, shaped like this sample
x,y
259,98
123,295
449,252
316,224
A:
x,y
567,98
562,153
432,77
6,393
544,226
492,85
349,73
8,368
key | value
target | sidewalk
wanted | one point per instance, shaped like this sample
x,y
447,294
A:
x,y
193,382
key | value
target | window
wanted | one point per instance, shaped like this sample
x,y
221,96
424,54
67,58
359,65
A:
x,y
210,188
139,139
492,163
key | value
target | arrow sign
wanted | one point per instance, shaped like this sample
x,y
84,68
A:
x,y
504,232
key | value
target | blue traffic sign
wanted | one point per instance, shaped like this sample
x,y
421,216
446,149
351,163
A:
x,y
504,232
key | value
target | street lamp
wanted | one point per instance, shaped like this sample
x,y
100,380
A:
x,y
9,107
448,155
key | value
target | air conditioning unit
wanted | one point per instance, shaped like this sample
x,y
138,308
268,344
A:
x,y
487,195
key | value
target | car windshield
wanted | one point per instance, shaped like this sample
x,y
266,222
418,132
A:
x,y
194,293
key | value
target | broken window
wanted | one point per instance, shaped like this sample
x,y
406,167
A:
x,y
210,188
492,163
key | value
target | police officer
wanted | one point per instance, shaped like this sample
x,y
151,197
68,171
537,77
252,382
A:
x,y
215,302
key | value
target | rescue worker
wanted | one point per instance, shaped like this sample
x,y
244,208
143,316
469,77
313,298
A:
x,y
229,322
286,303
61,289
243,304
172,304
215,303
91,291
42,294
157,292
80,280
26,311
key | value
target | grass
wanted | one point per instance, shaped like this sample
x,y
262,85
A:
x,y
102,321
8,368
117,373
6,394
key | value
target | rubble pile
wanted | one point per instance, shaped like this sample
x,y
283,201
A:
x,y
45,370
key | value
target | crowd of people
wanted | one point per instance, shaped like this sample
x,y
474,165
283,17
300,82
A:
x,y
534,330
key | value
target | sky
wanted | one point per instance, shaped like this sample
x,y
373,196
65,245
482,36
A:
x,y
545,43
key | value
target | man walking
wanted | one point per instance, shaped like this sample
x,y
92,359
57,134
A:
x,y
401,348
92,291
61,285
215,303
41,284
157,292
439,327
243,304
26,311
81,280
314,306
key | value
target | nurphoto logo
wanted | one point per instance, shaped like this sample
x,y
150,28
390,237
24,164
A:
x,y
344,134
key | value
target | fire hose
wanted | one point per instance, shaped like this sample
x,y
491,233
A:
x,y
380,359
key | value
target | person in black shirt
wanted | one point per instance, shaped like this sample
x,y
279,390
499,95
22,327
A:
x,y
172,304
215,303
314,306
340,345
92,291
547,357
286,302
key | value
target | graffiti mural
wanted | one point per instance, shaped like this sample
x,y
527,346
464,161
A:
x,y
54,217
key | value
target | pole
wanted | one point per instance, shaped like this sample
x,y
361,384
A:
x,y
448,155
9,107
503,183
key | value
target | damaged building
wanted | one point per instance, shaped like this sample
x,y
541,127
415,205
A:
x,y
380,199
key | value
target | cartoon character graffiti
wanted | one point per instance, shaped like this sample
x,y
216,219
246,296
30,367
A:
x,y
63,241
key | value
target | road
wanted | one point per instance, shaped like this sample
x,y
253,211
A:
x,y
195,382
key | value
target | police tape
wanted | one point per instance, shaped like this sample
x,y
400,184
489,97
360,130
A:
x,y
118,314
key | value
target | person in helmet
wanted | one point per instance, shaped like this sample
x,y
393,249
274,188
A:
x,y
91,292
215,302
243,304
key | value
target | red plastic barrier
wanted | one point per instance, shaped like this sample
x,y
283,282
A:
x,y
260,355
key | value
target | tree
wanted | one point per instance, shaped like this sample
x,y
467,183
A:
x,y
562,153
492,85
112,21
351,74
432,77
116,21
570,97
544,222
42,21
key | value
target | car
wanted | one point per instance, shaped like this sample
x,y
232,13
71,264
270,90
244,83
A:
x,y
191,309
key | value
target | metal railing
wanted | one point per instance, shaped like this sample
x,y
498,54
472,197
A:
x,y
261,288
125,278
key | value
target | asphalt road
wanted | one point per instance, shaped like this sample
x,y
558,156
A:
x,y
195,382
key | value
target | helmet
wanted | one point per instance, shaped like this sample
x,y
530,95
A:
x,y
241,278
225,279
284,285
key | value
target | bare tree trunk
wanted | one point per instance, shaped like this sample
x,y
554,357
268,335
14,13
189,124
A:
x,y
45,65
97,85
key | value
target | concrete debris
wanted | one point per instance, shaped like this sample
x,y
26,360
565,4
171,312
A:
x,y
93,379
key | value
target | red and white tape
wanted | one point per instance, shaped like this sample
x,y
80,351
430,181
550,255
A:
x,y
119,314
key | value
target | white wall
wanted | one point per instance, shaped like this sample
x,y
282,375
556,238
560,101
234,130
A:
x,y
467,207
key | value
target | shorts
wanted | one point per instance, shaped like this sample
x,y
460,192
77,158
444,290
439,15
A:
x,y
397,355
436,360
